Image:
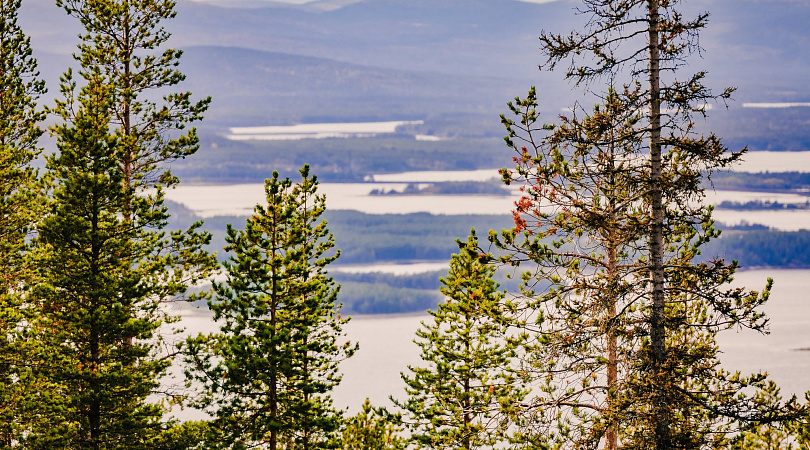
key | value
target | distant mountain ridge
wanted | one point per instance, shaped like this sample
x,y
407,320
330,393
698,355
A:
x,y
420,59
474,37
252,87
311,6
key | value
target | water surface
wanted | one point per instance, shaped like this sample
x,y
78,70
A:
x,y
240,199
387,348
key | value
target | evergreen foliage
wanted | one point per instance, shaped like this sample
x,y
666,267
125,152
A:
x,y
268,372
608,343
190,435
20,203
372,429
777,435
95,292
466,396
578,227
121,49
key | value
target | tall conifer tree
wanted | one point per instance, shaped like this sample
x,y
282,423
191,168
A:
x,y
268,372
96,271
107,266
612,219
103,279
124,39
19,205
578,222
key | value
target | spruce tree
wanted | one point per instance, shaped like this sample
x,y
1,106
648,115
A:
x,y
466,395
268,372
19,206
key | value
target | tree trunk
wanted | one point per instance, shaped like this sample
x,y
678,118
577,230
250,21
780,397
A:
x,y
94,409
657,326
305,444
126,121
273,368
611,434
466,443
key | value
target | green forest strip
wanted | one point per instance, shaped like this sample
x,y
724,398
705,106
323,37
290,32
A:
x,y
365,298
765,181
371,238
449,188
220,160
763,248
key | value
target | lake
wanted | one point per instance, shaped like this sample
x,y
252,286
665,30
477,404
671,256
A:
x,y
785,352
387,348
780,220
239,199
774,162
434,176
393,268
317,131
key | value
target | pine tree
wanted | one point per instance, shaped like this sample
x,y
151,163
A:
x,y
122,67
19,204
123,39
268,372
19,133
90,284
645,40
106,265
580,229
464,398
122,42
774,435
577,226
630,354
372,429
